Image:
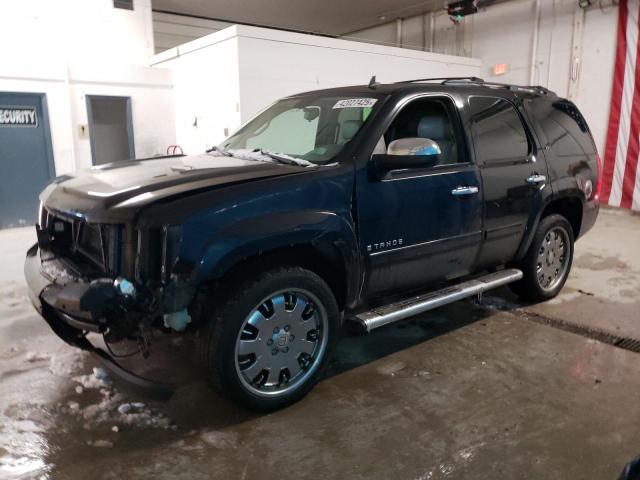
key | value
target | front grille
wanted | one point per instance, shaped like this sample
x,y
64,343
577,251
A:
x,y
93,248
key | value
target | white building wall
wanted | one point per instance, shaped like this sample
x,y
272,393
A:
x,y
206,89
68,49
81,30
170,30
274,64
504,34
224,79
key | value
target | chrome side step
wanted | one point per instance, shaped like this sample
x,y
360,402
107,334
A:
x,y
422,303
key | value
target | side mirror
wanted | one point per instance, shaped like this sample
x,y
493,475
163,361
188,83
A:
x,y
408,153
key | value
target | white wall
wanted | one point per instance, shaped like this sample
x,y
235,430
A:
x,y
171,30
78,30
503,34
274,64
68,49
227,77
206,89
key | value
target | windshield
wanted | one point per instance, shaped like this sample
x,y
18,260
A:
x,y
311,130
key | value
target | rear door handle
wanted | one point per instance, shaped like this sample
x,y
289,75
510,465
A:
x,y
462,191
535,179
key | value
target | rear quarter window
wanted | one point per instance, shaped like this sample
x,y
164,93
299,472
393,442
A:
x,y
563,126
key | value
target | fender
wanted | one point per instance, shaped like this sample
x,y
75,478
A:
x,y
325,231
534,220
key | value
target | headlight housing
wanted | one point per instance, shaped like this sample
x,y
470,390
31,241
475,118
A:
x,y
158,249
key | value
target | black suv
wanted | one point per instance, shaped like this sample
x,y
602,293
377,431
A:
x,y
324,207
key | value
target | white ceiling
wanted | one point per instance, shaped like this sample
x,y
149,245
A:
x,y
331,17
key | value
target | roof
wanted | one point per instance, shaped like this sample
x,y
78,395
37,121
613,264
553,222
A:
x,y
468,85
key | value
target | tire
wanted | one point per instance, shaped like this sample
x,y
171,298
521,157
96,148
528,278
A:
x,y
268,343
544,258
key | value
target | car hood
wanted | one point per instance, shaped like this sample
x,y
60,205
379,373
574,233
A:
x,y
132,184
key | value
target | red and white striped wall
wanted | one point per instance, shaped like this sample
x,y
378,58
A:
x,y
620,175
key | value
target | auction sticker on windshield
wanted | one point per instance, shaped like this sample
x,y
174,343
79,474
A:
x,y
355,103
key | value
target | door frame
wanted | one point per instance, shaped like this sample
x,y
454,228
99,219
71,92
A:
x,y
132,148
51,166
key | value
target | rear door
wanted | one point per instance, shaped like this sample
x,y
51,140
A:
x,y
514,176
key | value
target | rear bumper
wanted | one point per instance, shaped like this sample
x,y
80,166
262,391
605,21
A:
x,y
589,216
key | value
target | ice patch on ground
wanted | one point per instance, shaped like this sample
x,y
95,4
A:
x,y
100,443
33,357
391,368
112,406
218,439
96,380
67,363
497,303
199,440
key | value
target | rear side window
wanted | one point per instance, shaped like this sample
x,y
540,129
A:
x,y
563,126
498,131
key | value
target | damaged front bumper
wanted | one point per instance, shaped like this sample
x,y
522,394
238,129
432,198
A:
x,y
73,308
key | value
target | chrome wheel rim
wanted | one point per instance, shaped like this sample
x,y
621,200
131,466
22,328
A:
x,y
553,258
281,343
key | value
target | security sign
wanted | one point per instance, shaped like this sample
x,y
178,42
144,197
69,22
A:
x,y
18,117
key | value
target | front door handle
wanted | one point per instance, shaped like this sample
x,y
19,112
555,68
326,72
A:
x,y
462,191
535,179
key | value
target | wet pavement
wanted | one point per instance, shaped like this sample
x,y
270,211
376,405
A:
x,y
468,391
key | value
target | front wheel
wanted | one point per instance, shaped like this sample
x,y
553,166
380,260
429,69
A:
x,y
268,344
547,263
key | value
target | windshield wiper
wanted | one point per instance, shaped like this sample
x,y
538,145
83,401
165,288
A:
x,y
298,162
222,151
278,158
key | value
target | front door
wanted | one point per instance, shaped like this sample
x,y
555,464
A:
x,y
421,225
26,159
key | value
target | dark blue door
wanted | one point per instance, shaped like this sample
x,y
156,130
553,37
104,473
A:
x,y
26,160
415,230
420,225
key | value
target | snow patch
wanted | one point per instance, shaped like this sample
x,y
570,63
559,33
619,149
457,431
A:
x,y
67,363
218,439
33,357
497,303
96,380
391,368
100,443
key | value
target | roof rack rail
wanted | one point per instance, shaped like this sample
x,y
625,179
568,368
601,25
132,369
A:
x,y
479,81
463,79
444,80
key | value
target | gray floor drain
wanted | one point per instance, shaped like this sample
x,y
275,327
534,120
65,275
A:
x,y
627,343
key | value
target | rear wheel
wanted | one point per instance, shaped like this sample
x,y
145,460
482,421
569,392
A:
x,y
268,344
547,263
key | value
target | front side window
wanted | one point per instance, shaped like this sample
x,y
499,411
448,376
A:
x,y
310,129
426,123
499,133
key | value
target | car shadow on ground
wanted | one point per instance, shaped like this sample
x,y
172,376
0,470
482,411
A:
x,y
196,409
354,349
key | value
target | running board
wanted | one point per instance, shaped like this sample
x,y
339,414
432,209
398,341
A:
x,y
422,303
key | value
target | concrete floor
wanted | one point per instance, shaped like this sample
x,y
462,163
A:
x,y
467,391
